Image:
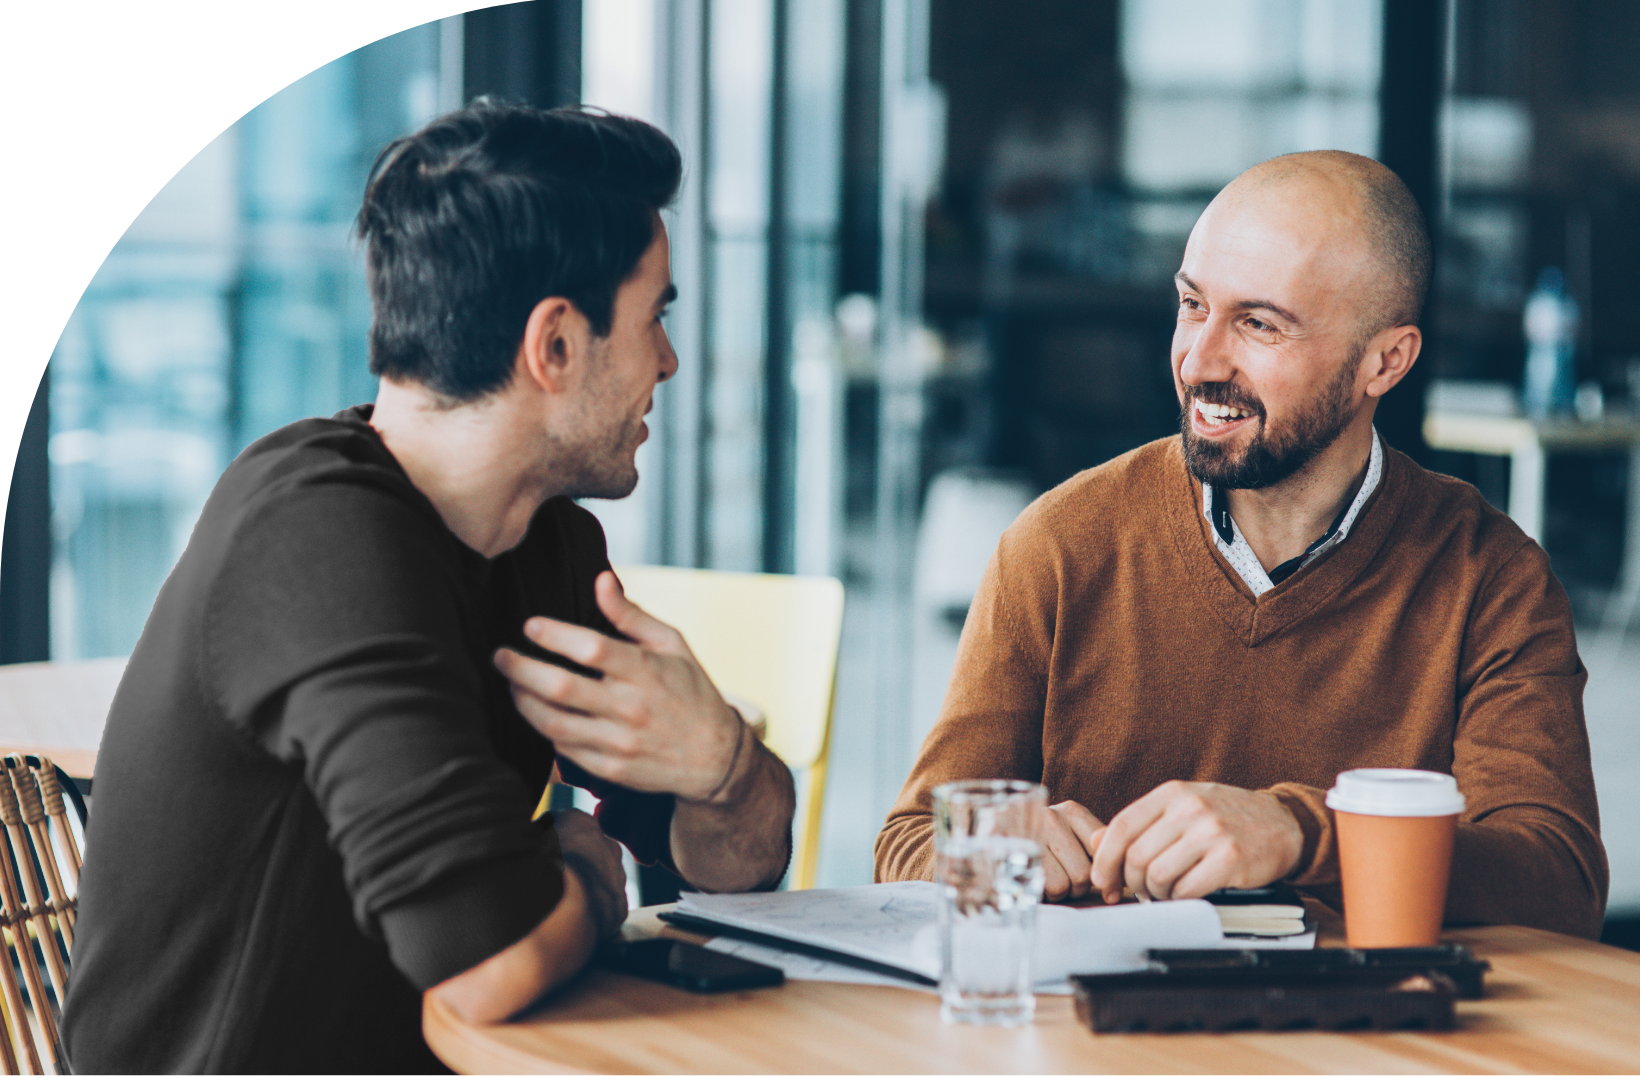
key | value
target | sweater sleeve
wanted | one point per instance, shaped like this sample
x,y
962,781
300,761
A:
x,y
991,723
1528,848
335,645
1528,845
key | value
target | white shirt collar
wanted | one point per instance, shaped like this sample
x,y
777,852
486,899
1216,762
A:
x,y
1246,562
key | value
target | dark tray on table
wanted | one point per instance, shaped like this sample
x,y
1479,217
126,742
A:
x,y
1274,989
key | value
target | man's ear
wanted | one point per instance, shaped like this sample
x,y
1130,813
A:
x,y
557,337
1389,357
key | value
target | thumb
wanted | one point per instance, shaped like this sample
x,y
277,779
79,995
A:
x,y
628,618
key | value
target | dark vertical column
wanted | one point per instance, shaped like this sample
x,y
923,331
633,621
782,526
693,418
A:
x,y
859,261
25,552
860,232
779,394
1409,101
529,52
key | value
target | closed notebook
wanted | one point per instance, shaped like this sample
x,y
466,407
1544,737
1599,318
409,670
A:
x,y
1270,911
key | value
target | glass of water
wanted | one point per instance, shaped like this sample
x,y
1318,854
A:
x,y
988,863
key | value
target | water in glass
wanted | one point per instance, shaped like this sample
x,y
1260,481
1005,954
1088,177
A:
x,y
992,885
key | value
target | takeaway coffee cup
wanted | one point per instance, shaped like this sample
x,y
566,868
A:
x,y
1395,832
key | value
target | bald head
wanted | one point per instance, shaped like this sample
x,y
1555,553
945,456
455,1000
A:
x,y
1366,199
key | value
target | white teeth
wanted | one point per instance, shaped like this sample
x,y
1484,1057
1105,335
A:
x,y
1218,414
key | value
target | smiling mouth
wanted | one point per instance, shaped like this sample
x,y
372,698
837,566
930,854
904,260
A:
x,y
1219,416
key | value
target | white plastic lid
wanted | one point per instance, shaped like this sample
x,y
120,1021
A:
x,y
1397,793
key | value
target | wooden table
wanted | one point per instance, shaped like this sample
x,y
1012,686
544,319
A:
x,y
57,709
1553,1004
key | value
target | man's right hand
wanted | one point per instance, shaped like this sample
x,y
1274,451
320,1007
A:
x,y
596,861
1070,839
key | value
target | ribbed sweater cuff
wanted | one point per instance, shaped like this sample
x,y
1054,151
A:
x,y
1318,861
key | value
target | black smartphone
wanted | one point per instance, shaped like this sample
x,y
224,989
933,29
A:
x,y
691,967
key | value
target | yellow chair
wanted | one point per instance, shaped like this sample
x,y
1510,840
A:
x,y
771,640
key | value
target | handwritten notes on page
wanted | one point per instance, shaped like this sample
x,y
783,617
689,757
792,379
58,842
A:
x,y
880,923
897,924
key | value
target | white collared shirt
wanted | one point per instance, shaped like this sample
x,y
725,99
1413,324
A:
x,y
1246,562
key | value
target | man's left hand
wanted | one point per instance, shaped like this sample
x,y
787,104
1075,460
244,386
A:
x,y
1186,839
654,723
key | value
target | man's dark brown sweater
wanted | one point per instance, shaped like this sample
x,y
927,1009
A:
x,y
1111,648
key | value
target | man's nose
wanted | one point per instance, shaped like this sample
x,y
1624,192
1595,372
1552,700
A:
x,y
669,358
1208,358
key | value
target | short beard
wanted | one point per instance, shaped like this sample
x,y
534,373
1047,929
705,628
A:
x,y
603,470
1269,459
596,461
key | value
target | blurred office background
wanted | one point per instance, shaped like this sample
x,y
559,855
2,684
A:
x,y
924,250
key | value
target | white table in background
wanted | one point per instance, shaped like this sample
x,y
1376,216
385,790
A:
x,y
1527,445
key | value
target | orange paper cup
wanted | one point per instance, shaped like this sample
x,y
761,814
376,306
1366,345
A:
x,y
1395,830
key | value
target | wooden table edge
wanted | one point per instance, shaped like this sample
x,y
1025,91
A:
x,y
472,1049
452,1041
75,761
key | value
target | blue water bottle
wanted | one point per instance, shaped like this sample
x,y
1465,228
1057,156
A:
x,y
1551,347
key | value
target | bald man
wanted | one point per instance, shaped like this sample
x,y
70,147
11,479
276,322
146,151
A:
x,y
1191,641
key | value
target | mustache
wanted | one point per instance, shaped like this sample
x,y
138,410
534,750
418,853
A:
x,y
1223,392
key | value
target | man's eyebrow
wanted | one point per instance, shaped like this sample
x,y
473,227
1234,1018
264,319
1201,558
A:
x,y
1264,304
667,297
1246,304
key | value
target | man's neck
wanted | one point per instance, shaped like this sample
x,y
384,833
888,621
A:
x,y
1280,523
472,461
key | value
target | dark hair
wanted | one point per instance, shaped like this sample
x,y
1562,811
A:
x,y
1404,243
484,212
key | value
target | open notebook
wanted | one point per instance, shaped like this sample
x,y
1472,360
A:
x,y
892,929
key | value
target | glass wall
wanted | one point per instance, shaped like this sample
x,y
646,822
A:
x,y
1542,142
234,304
1081,142
751,91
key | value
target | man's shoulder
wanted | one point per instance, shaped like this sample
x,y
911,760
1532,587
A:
x,y
332,466
342,449
1448,514
317,507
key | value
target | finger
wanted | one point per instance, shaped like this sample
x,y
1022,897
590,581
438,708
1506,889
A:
x,y
576,733
1210,873
1056,881
1159,837
1082,822
550,683
630,620
1063,847
1163,869
1067,830
1110,860
584,646
1133,876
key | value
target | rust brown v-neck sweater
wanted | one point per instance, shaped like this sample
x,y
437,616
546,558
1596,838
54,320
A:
x,y
1111,648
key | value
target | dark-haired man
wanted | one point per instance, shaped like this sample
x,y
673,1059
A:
x,y
1192,640
315,786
